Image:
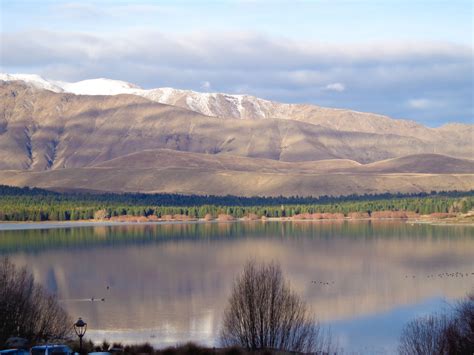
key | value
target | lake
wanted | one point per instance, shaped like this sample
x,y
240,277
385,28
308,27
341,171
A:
x,y
169,283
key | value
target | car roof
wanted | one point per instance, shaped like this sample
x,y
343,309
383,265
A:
x,y
50,346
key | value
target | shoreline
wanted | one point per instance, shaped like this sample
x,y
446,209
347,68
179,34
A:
x,y
27,225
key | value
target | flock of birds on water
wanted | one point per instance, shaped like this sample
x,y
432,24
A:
x,y
444,274
441,275
329,283
323,283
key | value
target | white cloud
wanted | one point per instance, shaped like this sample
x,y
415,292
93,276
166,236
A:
x,y
233,50
77,9
419,103
339,87
425,104
86,10
379,74
205,85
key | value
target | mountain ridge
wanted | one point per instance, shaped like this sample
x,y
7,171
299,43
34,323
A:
x,y
56,140
224,105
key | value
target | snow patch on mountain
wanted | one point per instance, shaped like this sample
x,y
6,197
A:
x,y
34,81
165,95
100,86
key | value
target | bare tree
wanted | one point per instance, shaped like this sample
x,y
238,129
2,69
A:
x,y
263,313
461,337
441,334
425,336
27,309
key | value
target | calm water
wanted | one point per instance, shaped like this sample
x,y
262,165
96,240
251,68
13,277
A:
x,y
169,283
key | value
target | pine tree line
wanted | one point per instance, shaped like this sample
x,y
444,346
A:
x,y
26,204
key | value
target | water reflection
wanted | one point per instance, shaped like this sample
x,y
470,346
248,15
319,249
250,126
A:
x,y
169,283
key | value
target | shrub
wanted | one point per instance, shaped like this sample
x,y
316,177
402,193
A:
x,y
263,313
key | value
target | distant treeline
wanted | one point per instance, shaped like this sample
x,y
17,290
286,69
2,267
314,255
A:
x,y
33,204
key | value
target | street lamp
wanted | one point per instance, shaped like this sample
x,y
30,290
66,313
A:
x,y
80,328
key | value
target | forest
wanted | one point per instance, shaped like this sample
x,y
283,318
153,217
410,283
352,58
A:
x,y
34,204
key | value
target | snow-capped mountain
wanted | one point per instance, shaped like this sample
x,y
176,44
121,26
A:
x,y
210,104
52,138
248,107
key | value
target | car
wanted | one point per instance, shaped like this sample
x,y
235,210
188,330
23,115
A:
x,y
51,349
14,352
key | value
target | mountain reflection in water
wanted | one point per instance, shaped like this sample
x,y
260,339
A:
x,y
169,283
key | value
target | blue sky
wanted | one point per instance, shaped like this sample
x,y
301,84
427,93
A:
x,y
406,59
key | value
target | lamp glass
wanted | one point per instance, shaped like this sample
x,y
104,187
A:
x,y
80,327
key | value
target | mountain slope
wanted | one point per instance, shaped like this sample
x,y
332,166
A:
x,y
411,164
423,163
196,173
252,108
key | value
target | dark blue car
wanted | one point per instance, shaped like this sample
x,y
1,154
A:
x,y
14,352
51,349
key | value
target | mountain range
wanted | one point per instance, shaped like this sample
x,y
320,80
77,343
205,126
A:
x,y
108,135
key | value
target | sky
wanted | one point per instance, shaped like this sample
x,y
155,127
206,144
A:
x,y
406,59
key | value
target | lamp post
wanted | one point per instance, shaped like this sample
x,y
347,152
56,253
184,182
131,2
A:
x,y
80,328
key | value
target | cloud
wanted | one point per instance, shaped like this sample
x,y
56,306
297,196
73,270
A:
x,y
233,50
336,87
385,77
86,10
205,85
420,103
426,104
